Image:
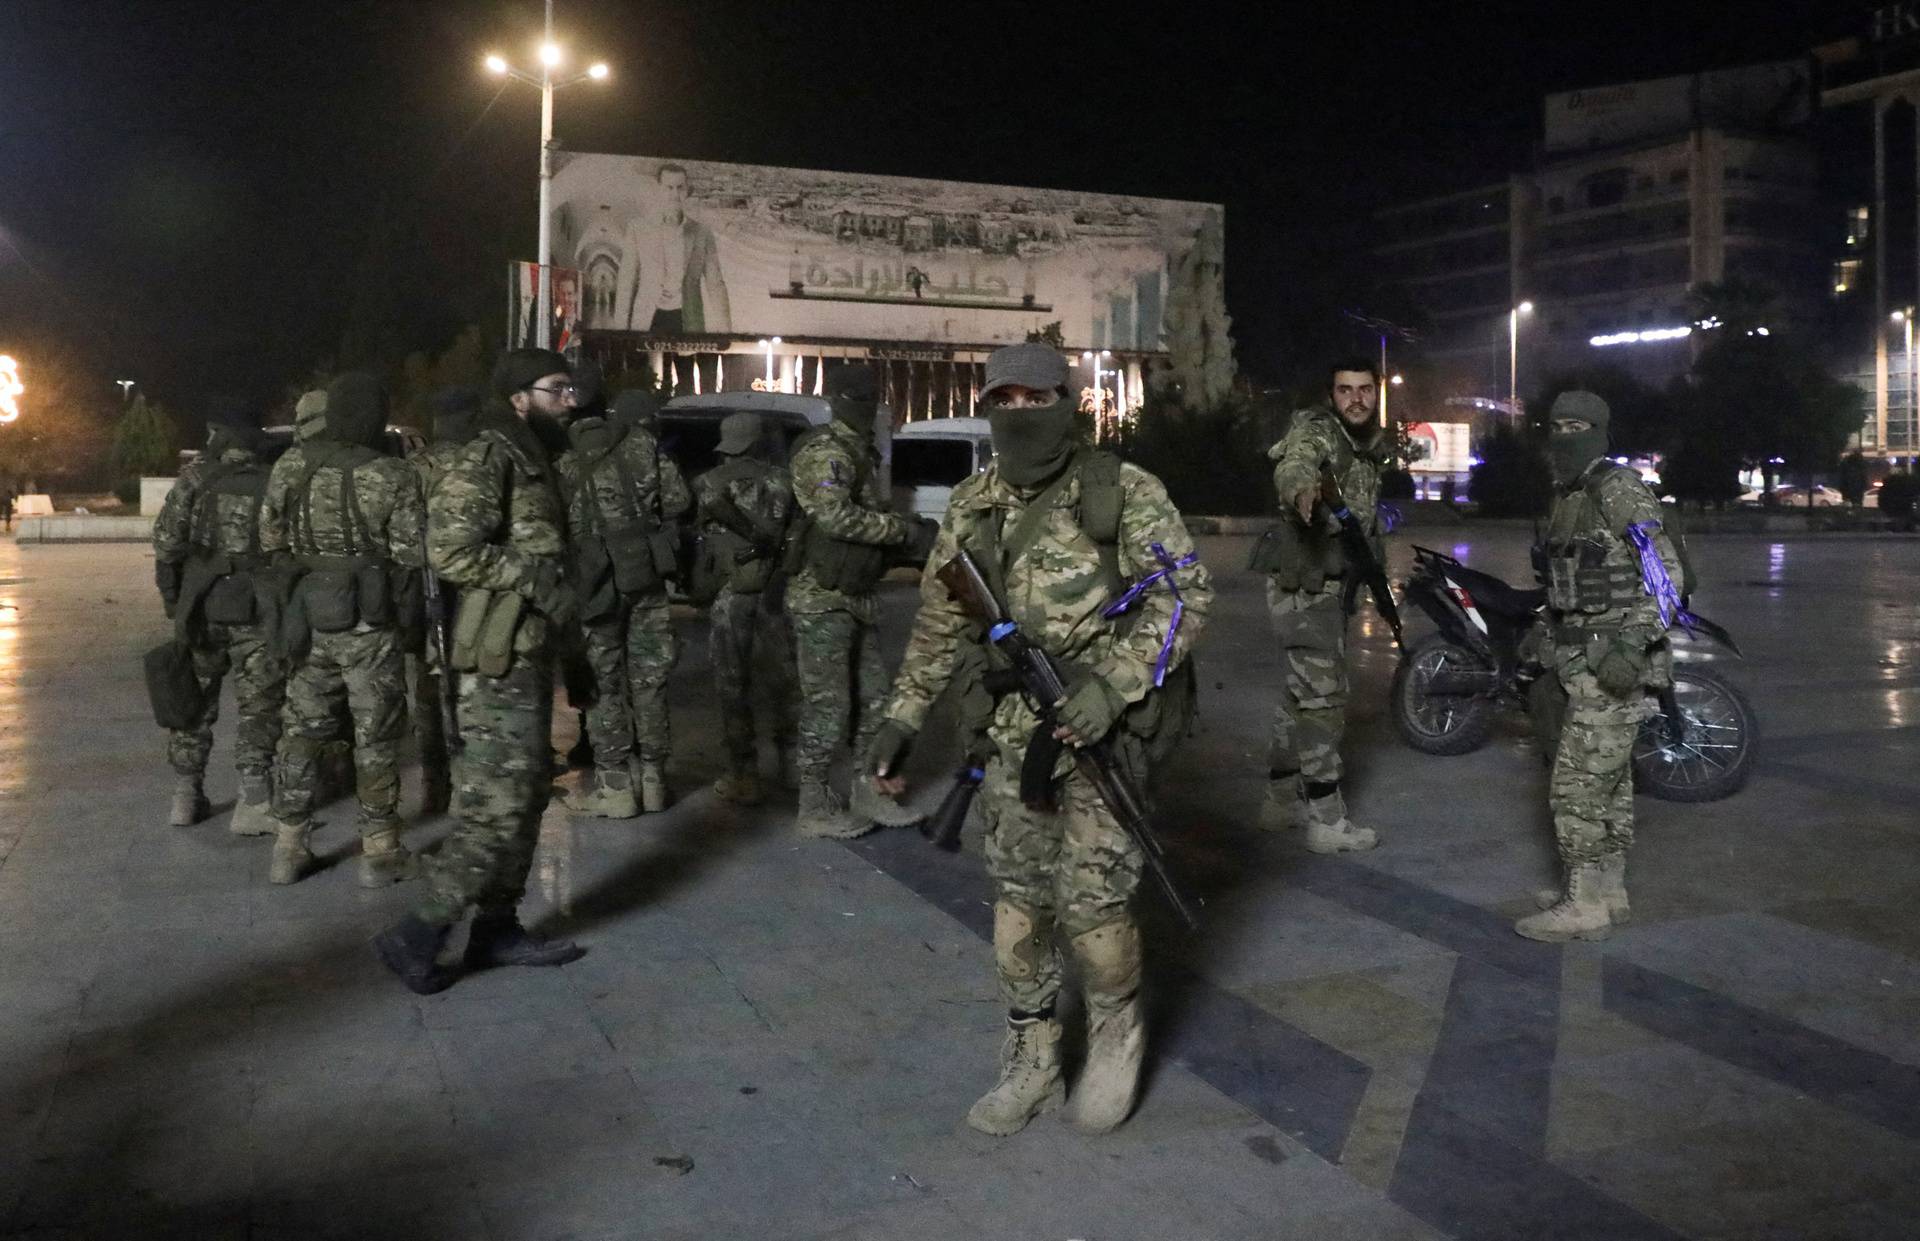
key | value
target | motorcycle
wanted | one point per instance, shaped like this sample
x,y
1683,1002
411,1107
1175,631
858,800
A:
x,y
1699,743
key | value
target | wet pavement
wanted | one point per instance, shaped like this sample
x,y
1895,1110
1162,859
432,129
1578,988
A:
x,y
776,1037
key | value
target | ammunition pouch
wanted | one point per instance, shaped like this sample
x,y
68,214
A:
x,y
337,593
1298,558
173,687
592,574
231,601
484,628
1579,579
850,568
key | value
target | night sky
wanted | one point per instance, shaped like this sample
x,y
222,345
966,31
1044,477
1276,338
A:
x,y
189,193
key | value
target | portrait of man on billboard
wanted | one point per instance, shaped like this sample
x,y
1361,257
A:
x,y
670,280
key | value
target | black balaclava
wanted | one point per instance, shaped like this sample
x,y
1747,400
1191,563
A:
x,y
456,414
1032,445
1571,453
232,423
854,393
357,410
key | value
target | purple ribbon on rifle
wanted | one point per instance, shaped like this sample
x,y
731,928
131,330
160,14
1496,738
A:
x,y
1390,516
1165,572
1654,576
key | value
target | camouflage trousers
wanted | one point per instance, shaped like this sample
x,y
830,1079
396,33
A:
x,y
843,686
259,689
1591,790
744,628
631,655
367,672
502,781
1311,715
1071,870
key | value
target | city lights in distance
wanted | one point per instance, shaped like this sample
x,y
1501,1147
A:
x,y
1650,336
11,388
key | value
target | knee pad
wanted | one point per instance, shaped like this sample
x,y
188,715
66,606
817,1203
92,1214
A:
x,y
1022,940
1109,958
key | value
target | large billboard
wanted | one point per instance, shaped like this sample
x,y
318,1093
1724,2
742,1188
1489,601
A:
x,y
1769,96
683,247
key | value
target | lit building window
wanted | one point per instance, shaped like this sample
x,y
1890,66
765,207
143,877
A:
x,y
1846,276
1858,221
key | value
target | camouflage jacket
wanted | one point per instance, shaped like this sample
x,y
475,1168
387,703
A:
x,y
322,522
1055,592
495,518
1317,436
1594,574
191,521
659,489
763,494
830,463
433,461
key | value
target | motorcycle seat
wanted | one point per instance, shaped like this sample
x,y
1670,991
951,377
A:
x,y
1496,596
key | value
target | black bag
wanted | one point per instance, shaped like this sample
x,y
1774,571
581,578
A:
x,y
173,687
635,568
329,595
230,601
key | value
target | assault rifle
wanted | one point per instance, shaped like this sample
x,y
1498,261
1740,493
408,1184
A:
x,y
440,633
762,539
1045,688
1353,538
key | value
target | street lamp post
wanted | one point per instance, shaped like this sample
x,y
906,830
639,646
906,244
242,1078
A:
x,y
550,59
1905,318
1513,352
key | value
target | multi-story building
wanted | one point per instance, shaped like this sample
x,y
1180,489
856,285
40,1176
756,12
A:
x,y
1641,192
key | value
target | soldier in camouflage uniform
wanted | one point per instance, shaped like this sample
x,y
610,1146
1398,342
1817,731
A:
x,y
836,559
1307,575
345,520
1059,529
624,502
206,553
744,504
455,411
1608,648
497,533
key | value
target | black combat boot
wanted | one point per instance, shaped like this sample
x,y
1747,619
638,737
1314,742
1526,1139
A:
x,y
409,948
499,939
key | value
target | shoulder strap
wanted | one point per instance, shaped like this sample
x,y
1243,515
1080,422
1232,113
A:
x,y
1100,502
1026,529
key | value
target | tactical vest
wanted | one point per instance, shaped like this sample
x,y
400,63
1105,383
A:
x,y
360,585
837,564
1158,722
732,552
217,586
1582,576
631,552
1306,557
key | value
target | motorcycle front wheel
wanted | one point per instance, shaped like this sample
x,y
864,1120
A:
x,y
1434,723
1715,753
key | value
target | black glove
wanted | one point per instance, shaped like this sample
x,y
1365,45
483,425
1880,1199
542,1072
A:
x,y
167,575
887,754
920,538
551,595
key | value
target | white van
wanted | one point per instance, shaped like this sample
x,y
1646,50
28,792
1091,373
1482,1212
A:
x,y
932,457
690,426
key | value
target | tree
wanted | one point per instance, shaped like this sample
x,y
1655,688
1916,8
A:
x,y
145,441
1212,461
1766,398
1197,323
1851,478
1512,479
1051,334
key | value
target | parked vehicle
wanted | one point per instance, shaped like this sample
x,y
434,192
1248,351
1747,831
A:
x,y
1788,495
932,457
1698,745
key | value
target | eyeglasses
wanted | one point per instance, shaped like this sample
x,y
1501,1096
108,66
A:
x,y
556,389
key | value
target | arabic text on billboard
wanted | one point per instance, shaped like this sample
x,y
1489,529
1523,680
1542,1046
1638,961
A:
x,y
1759,96
669,247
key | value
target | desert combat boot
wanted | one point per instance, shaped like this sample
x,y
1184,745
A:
x,y
1581,913
1330,831
1030,1081
610,797
824,816
253,814
1613,890
190,803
